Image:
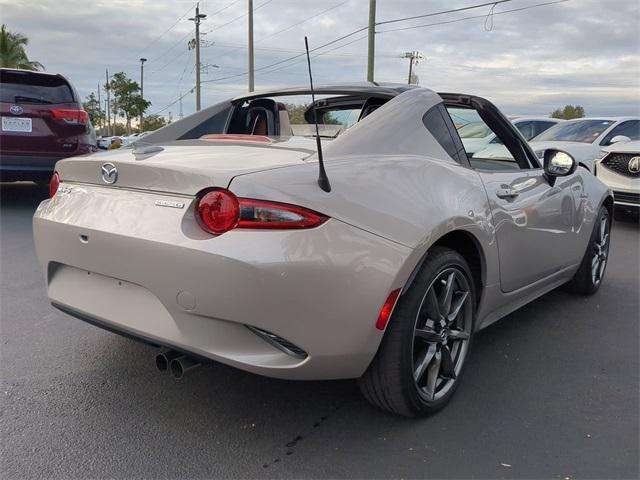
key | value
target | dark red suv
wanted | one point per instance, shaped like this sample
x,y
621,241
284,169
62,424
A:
x,y
42,122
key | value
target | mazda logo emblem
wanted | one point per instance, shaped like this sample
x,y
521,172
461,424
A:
x,y
634,165
109,173
16,109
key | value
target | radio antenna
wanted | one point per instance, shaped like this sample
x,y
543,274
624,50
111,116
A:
x,y
323,180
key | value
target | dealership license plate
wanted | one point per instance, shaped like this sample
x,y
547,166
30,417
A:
x,y
10,124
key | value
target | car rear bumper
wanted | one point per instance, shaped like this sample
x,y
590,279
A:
x,y
27,167
116,259
33,166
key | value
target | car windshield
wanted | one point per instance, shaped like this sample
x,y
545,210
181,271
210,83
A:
x,y
583,131
474,130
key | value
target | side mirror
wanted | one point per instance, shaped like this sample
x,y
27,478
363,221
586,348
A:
x,y
619,138
558,163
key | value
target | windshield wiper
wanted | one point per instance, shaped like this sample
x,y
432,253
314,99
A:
x,y
21,99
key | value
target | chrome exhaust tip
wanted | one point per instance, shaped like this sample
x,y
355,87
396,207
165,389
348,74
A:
x,y
181,366
164,358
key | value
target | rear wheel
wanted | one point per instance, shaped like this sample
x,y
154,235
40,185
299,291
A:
x,y
422,355
589,276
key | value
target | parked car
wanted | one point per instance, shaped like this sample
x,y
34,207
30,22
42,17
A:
x,y
219,239
618,166
476,136
585,137
42,122
105,142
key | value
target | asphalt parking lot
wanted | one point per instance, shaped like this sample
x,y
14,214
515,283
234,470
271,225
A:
x,y
550,392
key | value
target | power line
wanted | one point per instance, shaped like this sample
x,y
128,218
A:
x,y
303,21
190,32
185,71
224,8
289,58
174,102
168,29
472,17
239,17
170,62
284,67
283,50
266,67
461,9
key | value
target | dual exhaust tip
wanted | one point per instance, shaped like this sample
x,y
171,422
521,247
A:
x,y
176,363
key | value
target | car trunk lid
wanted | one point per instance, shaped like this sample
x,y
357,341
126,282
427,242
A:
x,y
184,167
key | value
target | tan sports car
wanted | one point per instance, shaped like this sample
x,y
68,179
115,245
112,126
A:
x,y
223,237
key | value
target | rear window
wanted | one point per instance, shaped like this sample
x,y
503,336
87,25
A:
x,y
29,87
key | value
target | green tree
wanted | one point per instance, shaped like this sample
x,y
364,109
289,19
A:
x,y
127,100
152,122
92,107
12,51
568,112
296,115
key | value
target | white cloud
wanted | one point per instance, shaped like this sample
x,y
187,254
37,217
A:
x,y
581,51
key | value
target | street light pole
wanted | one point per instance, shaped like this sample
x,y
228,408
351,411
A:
x,y
199,16
142,60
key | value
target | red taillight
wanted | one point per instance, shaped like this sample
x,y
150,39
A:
x,y
219,211
387,309
54,183
264,214
70,117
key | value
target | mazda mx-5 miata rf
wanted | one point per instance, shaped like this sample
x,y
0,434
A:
x,y
220,237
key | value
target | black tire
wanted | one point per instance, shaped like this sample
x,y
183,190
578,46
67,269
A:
x,y
585,282
390,381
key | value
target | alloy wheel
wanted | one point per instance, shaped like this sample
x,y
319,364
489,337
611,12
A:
x,y
441,333
600,251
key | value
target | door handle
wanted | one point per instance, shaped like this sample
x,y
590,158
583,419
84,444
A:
x,y
506,193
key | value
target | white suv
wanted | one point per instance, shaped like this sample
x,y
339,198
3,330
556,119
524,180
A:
x,y
618,166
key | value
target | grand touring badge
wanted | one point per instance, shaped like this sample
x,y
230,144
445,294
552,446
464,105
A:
x,y
169,203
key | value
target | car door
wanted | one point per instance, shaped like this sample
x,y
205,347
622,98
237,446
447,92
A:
x,y
534,220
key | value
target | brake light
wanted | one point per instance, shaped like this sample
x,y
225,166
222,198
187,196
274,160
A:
x,y
54,183
263,214
71,117
387,309
219,210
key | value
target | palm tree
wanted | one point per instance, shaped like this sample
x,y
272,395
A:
x,y
12,54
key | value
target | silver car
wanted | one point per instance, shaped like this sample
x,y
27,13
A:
x,y
222,237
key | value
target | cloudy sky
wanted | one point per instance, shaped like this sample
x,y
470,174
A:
x,y
528,61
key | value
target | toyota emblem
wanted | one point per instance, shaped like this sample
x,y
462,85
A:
x,y
16,109
109,173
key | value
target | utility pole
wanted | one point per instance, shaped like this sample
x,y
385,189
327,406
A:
x,y
372,40
181,115
142,60
199,16
413,57
106,86
251,77
99,103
